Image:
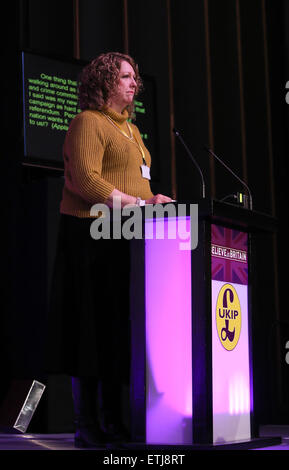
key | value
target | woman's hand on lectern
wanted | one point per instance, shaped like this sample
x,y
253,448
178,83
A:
x,y
159,199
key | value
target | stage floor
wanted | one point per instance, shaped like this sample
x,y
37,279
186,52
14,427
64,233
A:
x,y
65,442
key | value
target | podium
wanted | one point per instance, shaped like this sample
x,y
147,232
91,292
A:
x,y
192,374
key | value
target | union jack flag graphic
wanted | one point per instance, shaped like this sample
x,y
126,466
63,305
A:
x,y
229,255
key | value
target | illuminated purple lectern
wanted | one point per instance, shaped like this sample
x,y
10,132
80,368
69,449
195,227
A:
x,y
191,374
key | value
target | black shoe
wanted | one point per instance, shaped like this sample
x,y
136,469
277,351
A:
x,y
89,438
87,431
110,412
116,433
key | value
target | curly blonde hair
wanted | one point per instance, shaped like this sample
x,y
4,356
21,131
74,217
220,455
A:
x,y
99,79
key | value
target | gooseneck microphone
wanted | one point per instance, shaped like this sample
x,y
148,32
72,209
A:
x,y
176,132
234,174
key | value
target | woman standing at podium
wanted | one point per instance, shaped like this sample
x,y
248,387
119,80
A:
x,y
104,157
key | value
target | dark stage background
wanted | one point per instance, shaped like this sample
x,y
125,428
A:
x,y
220,69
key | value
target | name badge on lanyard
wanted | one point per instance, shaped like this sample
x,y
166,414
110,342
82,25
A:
x,y
145,171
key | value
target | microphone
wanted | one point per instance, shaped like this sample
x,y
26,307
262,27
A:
x,y
176,132
234,174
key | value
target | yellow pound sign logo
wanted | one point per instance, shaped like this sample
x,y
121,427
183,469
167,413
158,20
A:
x,y
228,317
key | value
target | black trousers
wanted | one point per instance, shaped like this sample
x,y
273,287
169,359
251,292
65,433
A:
x,y
89,319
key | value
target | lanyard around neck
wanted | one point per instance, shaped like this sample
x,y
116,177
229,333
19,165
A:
x,y
132,136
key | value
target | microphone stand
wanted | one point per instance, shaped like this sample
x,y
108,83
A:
x,y
176,132
234,174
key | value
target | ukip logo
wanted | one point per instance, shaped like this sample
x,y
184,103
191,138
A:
x,y
228,317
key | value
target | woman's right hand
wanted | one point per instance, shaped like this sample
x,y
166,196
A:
x,y
159,199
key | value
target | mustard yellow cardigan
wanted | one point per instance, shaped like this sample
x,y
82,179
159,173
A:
x,y
98,158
